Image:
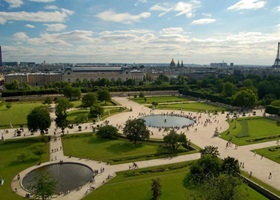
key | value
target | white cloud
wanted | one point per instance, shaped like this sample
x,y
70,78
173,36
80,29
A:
x,y
124,18
172,30
248,4
181,8
41,16
30,26
140,1
141,45
42,1
20,36
14,3
19,3
278,8
51,7
203,21
55,27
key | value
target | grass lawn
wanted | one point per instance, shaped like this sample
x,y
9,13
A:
x,y
272,153
113,151
16,114
138,187
160,99
252,130
191,107
10,166
74,113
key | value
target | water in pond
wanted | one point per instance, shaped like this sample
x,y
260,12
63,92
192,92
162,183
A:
x,y
69,175
167,121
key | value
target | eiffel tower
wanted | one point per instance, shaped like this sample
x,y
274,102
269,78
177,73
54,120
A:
x,y
277,60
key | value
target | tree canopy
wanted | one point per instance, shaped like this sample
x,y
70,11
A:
x,y
89,99
174,139
43,186
96,110
107,132
136,130
244,98
104,95
38,119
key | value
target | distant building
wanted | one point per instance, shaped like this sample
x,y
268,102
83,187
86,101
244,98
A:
x,y
72,74
172,63
1,62
277,59
11,64
27,63
218,64
34,79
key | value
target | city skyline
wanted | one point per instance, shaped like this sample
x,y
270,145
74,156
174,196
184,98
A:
x,y
140,31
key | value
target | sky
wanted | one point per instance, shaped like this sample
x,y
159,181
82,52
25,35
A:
x,y
140,31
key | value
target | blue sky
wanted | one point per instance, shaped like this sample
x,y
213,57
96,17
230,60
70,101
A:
x,y
140,31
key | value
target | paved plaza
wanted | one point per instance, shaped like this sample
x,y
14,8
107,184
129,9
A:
x,y
200,135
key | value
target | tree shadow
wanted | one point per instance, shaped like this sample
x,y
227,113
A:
x,y
124,147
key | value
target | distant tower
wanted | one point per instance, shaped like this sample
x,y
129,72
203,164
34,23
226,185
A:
x,y
182,64
172,63
178,64
277,60
1,63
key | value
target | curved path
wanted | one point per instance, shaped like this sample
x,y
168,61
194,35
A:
x,y
200,135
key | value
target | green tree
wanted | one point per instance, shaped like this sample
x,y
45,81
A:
x,y
210,150
96,110
72,93
107,132
104,95
204,169
156,189
244,98
228,89
230,166
38,119
43,186
61,108
141,95
174,139
48,100
88,100
8,105
222,187
136,130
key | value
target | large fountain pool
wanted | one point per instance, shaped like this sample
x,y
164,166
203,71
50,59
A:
x,y
69,175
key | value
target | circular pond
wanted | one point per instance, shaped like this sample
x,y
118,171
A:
x,y
167,121
69,175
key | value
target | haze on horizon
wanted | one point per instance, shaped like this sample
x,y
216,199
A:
x,y
140,31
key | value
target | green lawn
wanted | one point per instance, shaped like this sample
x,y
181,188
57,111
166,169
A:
x,y
138,187
113,151
252,130
160,99
109,110
71,115
10,166
191,107
272,153
16,114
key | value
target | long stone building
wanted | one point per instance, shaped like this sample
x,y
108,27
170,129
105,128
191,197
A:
x,y
72,74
